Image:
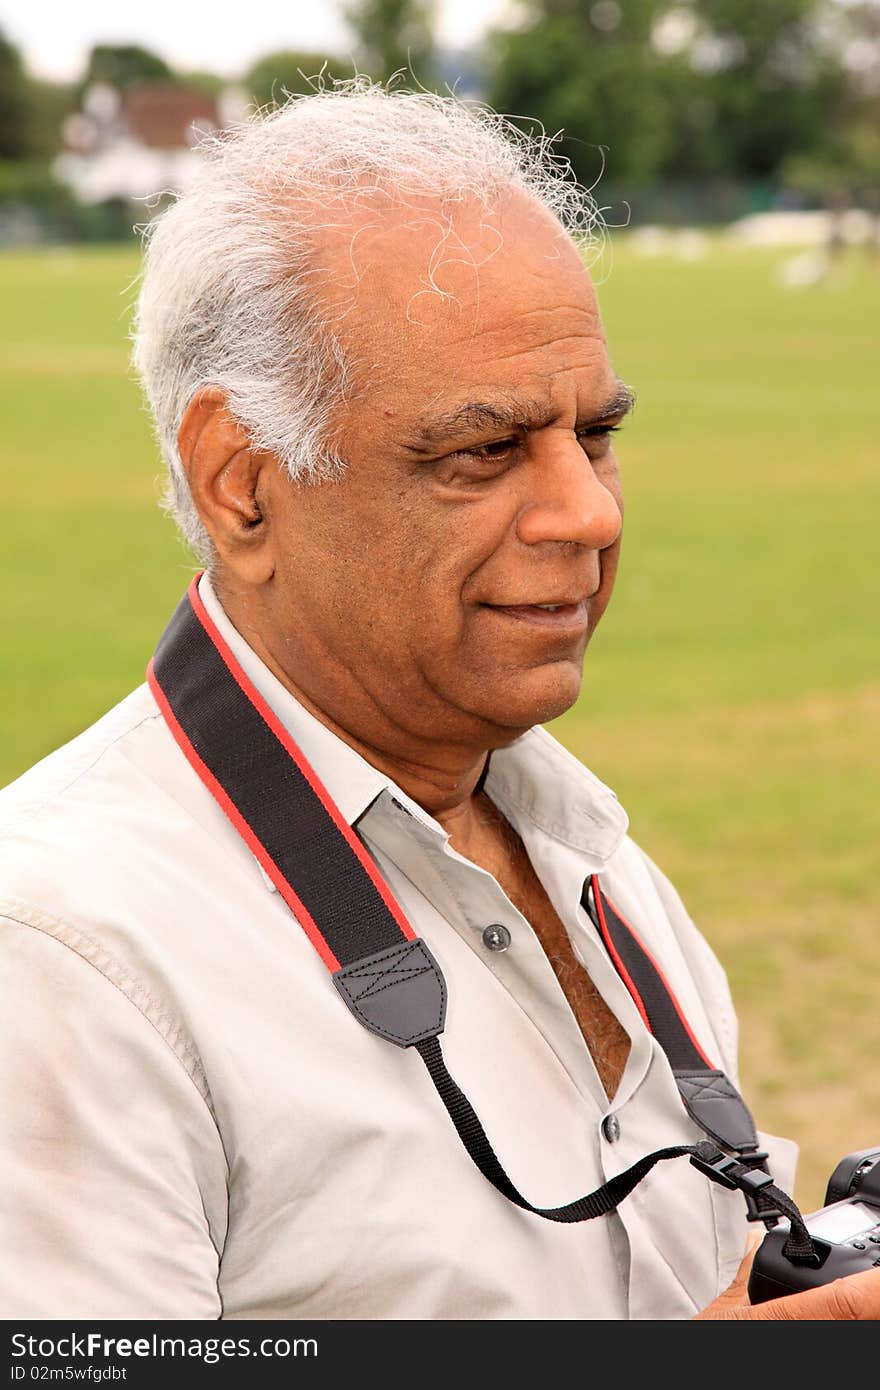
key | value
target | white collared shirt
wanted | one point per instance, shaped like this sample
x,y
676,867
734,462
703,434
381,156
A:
x,y
195,1127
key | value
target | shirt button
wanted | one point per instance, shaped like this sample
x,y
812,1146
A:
x,y
611,1128
496,937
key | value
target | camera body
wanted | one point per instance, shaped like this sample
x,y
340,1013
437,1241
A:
x,y
845,1232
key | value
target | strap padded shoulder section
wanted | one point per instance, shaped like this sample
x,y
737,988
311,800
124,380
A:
x,y
398,993
714,1103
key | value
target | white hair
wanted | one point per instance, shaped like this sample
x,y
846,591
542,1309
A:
x,y
228,292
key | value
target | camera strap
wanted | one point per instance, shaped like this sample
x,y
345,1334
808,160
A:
x,y
383,971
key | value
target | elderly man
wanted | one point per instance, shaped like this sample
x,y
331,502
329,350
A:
x,y
380,381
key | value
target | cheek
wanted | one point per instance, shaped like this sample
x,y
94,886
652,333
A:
x,y
386,559
446,548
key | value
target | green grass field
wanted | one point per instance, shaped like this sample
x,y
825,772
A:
x,y
732,695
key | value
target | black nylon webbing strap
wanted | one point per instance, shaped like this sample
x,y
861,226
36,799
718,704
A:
x,y
473,1136
768,1200
710,1098
383,971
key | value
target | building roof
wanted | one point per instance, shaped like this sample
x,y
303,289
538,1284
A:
x,y
166,117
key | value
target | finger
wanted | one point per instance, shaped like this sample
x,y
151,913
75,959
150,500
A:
x,y
753,1240
853,1299
736,1295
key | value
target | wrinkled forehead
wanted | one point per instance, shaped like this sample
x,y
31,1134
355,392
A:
x,y
402,280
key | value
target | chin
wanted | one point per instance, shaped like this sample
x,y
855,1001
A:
x,y
537,697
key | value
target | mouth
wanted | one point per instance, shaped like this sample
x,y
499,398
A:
x,y
555,617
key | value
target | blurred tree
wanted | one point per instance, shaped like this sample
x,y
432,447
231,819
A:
x,y
392,35
678,89
588,68
15,108
768,80
49,103
844,166
290,70
30,114
856,128
31,111
118,65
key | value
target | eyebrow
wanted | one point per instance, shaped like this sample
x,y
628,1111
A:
x,y
474,416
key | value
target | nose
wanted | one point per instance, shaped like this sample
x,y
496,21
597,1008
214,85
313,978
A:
x,y
567,501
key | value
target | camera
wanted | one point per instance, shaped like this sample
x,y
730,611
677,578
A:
x,y
845,1234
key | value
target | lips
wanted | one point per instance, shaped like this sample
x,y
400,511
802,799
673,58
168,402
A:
x,y
562,616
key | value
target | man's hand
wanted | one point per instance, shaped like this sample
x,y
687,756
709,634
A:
x,y
856,1298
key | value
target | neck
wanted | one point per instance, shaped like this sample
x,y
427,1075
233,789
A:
x,y
442,776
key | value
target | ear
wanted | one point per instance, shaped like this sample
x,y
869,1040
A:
x,y
226,479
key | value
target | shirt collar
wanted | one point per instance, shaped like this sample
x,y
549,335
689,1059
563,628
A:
x,y
535,776
538,778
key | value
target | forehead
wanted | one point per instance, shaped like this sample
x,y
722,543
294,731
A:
x,y
430,302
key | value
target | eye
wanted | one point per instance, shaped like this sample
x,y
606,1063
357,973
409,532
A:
x,y
496,449
598,434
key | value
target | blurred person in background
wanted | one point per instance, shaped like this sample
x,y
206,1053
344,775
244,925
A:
x,y
380,382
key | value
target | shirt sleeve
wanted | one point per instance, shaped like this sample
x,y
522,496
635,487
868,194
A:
x,y
112,1173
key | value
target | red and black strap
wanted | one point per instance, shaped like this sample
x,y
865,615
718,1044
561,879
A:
x,y
709,1096
274,798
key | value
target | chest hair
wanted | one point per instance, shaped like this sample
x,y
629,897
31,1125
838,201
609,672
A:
x,y
504,855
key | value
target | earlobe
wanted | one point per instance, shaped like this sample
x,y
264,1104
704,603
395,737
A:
x,y
224,475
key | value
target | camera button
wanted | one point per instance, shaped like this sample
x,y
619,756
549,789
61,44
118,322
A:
x,y
875,1240
859,1245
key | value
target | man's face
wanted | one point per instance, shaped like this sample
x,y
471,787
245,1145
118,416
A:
x,y
481,483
